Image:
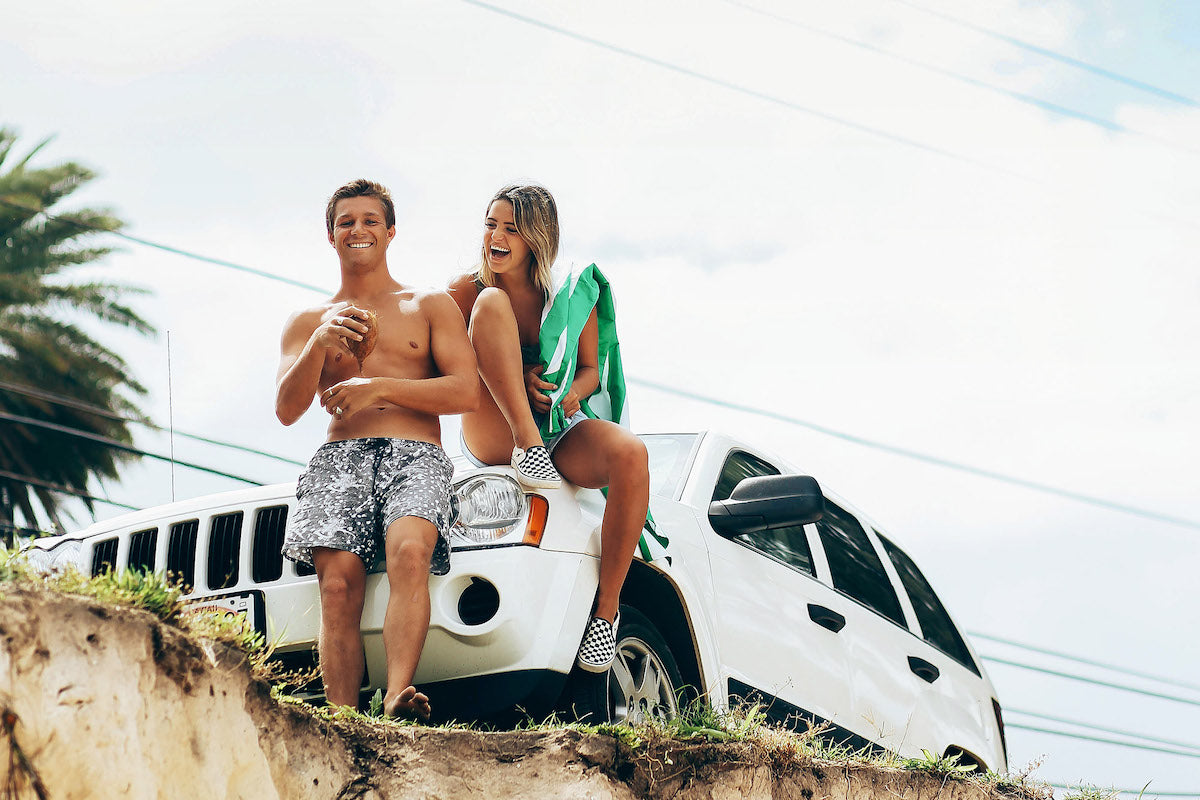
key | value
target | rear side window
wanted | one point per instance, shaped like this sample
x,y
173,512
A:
x,y
936,625
854,565
787,545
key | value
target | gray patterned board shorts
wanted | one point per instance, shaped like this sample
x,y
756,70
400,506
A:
x,y
355,488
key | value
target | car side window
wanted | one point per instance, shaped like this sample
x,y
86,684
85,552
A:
x,y
936,625
787,545
854,565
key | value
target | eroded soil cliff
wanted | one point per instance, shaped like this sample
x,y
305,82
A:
x,y
99,701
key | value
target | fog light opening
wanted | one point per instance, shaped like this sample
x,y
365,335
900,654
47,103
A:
x,y
478,602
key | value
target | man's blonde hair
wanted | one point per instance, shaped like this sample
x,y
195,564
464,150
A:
x,y
361,188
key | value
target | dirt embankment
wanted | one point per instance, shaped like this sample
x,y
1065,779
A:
x,y
100,702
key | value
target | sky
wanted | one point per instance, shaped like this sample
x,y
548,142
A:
x,y
960,229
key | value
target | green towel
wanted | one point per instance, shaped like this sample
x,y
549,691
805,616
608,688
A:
x,y
573,295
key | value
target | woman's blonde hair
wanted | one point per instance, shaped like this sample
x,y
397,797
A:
x,y
536,220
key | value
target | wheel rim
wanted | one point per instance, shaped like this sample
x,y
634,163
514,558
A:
x,y
639,684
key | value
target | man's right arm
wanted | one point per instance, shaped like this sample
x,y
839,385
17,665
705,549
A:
x,y
306,340
300,365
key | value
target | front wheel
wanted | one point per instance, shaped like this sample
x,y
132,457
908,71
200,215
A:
x,y
643,681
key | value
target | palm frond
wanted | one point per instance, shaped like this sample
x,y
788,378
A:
x,y
40,347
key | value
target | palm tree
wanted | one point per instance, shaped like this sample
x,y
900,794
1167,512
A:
x,y
56,381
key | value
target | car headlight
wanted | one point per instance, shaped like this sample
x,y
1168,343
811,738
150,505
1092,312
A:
x,y
55,558
490,508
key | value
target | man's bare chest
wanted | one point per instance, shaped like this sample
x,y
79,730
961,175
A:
x,y
402,348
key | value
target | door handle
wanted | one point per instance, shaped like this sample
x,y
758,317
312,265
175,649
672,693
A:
x,y
923,669
826,617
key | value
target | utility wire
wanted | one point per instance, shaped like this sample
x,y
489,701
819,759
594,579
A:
x,y
1096,501
1102,740
1103,665
1045,105
21,529
918,456
1093,681
221,263
166,248
1055,55
58,487
749,92
1089,726
118,445
72,402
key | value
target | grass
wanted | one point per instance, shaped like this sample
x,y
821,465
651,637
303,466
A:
x,y
162,597
1088,792
935,764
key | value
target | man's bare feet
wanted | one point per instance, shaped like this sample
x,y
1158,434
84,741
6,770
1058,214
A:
x,y
409,704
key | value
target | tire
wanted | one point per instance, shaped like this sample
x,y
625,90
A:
x,y
644,681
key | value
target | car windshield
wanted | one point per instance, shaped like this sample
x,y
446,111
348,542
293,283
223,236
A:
x,y
669,454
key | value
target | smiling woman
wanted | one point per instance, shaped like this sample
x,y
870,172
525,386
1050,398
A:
x,y
521,327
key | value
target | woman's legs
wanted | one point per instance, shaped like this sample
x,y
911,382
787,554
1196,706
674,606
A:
x,y
596,453
504,418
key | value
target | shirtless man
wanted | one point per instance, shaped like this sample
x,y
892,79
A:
x,y
381,478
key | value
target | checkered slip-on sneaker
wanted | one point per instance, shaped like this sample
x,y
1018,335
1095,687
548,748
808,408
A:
x,y
598,649
534,468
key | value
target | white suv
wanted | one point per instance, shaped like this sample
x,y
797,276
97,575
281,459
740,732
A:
x,y
775,591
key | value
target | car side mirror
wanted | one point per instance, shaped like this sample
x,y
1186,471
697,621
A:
x,y
768,501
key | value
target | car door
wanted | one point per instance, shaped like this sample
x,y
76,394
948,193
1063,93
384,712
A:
x,y
887,671
778,641
956,706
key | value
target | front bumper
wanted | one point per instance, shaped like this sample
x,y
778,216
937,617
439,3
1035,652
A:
x,y
504,627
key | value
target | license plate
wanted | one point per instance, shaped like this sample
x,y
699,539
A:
x,y
248,605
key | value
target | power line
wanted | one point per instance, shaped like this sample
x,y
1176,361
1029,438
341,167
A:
x,y
118,445
72,402
21,530
1055,55
1045,105
1059,654
1102,740
1100,502
166,248
58,487
918,456
1090,726
221,263
978,471
746,90
1093,681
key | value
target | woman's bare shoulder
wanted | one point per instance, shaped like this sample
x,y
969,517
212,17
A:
x,y
463,290
462,282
